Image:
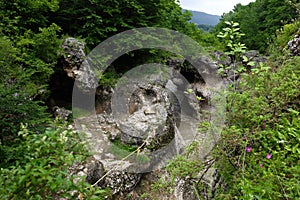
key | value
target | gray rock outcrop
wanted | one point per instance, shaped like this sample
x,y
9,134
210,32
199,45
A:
x,y
77,66
153,118
121,182
150,117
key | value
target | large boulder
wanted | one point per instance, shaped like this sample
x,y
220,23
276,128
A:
x,y
111,176
150,117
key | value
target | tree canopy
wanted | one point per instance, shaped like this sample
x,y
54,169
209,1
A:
x,y
260,20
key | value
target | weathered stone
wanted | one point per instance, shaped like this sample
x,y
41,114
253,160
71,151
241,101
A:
x,y
294,45
159,112
175,63
95,172
121,182
62,113
150,111
221,58
76,65
151,117
251,54
109,126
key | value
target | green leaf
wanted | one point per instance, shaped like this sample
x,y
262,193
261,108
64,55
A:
x,y
199,98
245,59
190,91
228,23
241,68
235,24
251,63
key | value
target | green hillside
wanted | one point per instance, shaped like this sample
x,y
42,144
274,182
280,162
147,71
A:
x,y
204,18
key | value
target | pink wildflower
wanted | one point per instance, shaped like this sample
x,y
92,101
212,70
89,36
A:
x,y
248,149
269,156
260,165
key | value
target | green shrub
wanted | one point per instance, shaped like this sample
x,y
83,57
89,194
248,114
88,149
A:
x,y
17,91
258,154
36,166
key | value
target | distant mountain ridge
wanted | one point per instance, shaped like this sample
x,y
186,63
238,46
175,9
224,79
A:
x,y
204,18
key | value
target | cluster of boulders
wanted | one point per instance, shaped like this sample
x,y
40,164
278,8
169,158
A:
x,y
294,45
147,115
159,112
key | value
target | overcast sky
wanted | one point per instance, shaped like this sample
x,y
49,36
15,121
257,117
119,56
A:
x,y
216,7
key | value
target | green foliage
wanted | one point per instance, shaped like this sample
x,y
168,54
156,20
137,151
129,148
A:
x,y
129,152
232,36
39,53
19,16
182,167
26,63
17,92
260,20
234,49
208,40
97,20
29,45
109,78
205,27
121,150
36,166
16,108
286,34
258,154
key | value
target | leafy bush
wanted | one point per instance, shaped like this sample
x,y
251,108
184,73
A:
x,y
36,166
38,53
26,63
183,167
16,94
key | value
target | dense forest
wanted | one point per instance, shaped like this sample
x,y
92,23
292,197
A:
x,y
258,153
